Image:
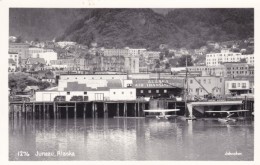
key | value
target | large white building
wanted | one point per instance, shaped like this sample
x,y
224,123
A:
x,y
215,59
136,52
35,50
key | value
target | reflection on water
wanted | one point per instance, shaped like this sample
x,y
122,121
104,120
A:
x,y
131,139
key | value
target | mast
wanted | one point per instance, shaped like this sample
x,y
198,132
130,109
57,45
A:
x,y
186,88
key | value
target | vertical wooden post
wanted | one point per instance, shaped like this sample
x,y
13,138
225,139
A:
x,y
93,109
54,110
117,110
75,110
135,109
67,111
143,108
23,110
104,109
40,111
125,107
20,111
33,110
44,110
84,111
96,113
138,109
48,111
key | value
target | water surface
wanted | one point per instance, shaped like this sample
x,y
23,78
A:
x,y
131,139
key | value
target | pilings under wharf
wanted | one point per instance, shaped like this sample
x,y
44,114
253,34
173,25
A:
x,y
93,109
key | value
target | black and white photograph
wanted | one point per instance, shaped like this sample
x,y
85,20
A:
x,y
131,84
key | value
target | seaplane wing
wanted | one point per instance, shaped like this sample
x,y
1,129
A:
x,y
161,110
231,111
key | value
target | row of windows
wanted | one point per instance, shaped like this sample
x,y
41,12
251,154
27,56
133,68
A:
x,y
238,85
201,90
205,81
92,78
157,91
68,93
122,93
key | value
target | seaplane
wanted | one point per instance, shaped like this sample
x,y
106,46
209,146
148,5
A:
x,y
229,114
162,112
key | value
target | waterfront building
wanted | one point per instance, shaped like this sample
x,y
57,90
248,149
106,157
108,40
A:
x,y
158,88
214,85
215,59
237,87
21,48
92,81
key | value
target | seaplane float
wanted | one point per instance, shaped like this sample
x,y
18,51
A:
x,y
230,113
162,112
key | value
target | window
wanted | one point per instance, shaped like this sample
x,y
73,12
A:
x,y
233,85
92,77
85,93
131,92
209,81
165,91
157,91
114,93
220,79
68,93
191,81
204,81
243,85
100,77
141,91
238,84
122,93
149,91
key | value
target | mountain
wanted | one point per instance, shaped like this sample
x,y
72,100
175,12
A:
x,y
190,28
40,23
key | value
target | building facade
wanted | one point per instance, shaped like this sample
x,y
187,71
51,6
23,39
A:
x,y
158,88
215,59
237,87
15,57
21,48
238,69
213,85
69,64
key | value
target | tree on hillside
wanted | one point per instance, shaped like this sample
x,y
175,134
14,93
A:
x,y
182,61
